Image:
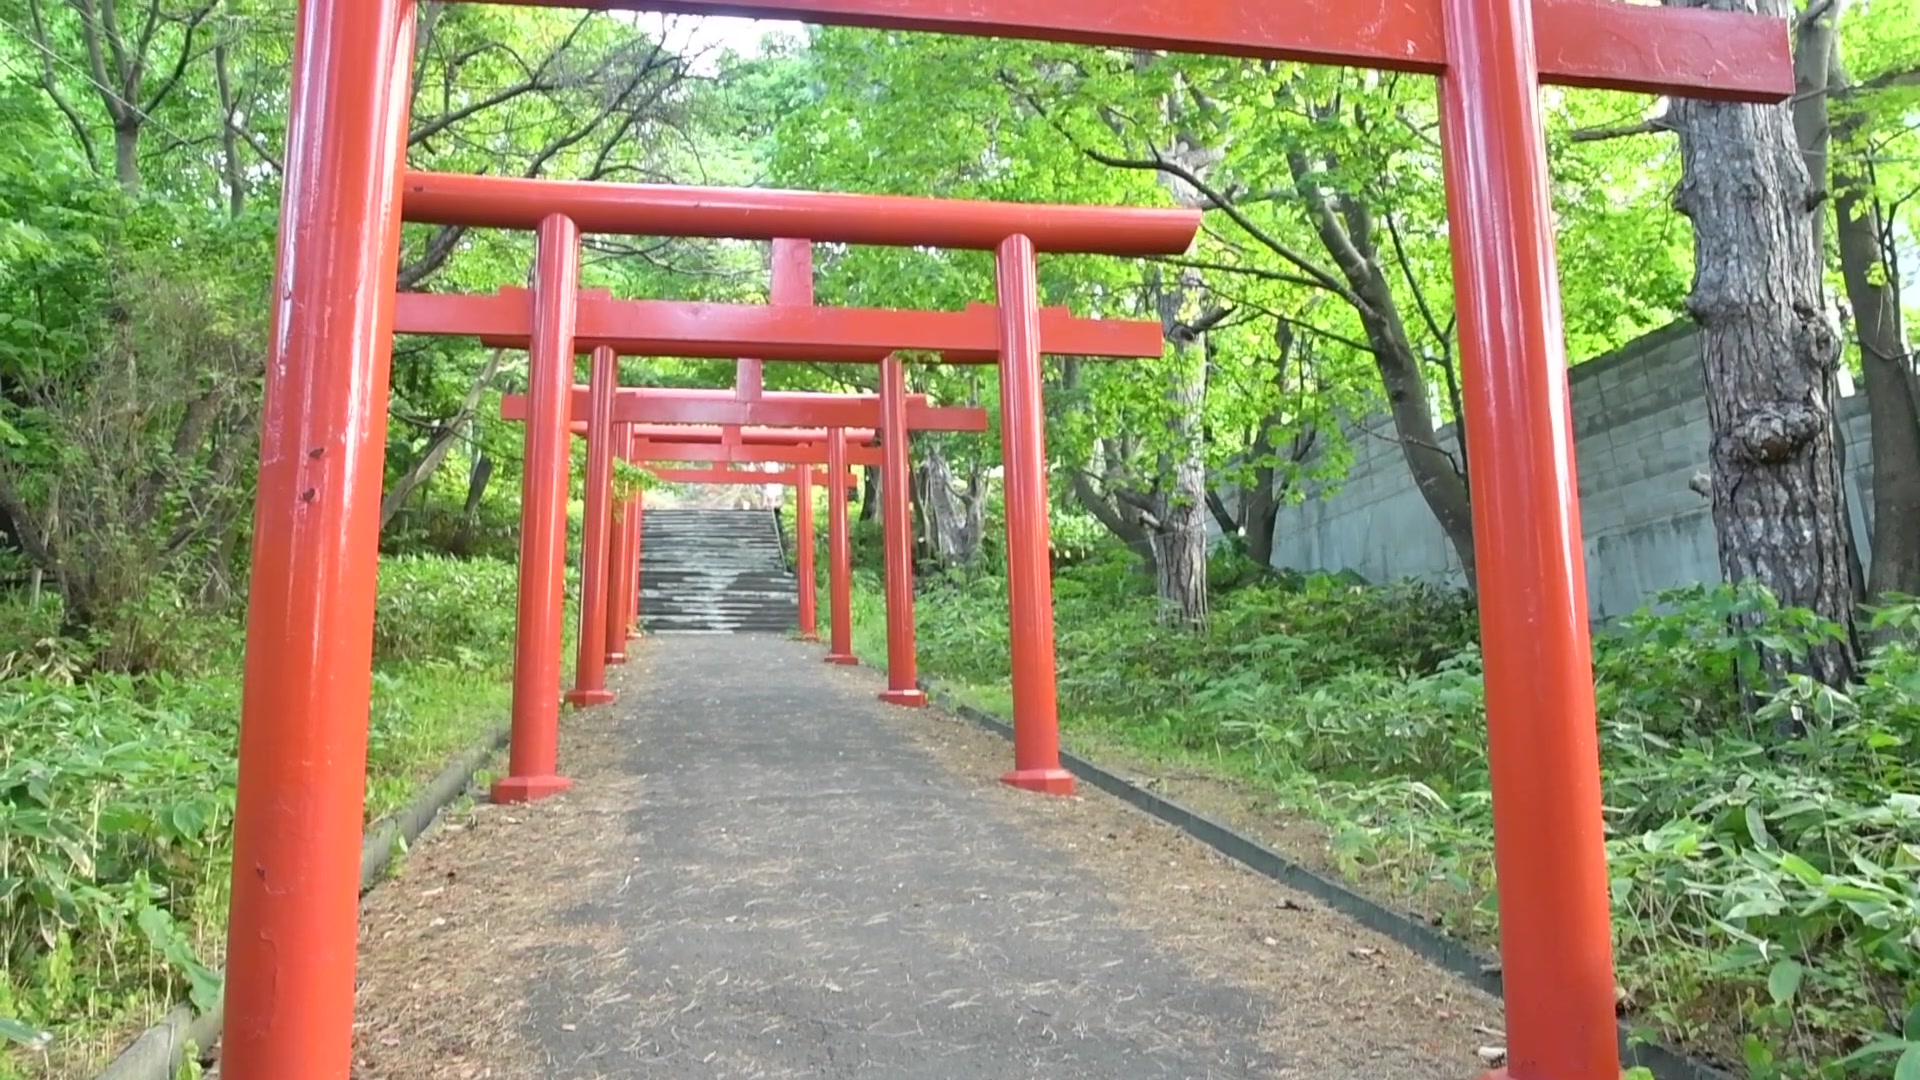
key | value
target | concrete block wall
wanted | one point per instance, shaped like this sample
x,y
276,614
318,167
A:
x,y
1640,432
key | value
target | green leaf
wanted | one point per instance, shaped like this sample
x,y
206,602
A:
x,y
1910,1029
1800,868
1758,905
1908,1067
14,1031
1757,828
1783,982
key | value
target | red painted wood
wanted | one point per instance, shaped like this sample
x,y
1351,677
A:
x,y
504,202
1599,43
1556,944
533,758
903,674
1023,450
597,591
801,454
727,331
316,525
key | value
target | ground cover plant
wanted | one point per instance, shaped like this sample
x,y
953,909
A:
x,y
116,801
1766,907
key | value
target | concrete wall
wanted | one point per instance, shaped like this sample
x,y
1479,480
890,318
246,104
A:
x,y
1640,430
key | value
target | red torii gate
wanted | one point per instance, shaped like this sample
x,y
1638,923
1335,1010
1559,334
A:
x,y
289,993
897,410
796,332
841,450
639,409
541,321
666,462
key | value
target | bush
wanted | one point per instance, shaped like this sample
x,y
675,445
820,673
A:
x,y
116,803
117,795
438,608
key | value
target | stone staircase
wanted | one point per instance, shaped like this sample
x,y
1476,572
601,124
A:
x,y
707,571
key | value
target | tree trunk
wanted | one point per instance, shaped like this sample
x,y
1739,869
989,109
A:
x,y
1260,511
870,495
950,541
1179,535
1769,355
1346,230
232,168
1887,366
442,442
126,154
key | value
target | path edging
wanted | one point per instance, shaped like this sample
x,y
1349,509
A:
x,y
156,1053
1442,951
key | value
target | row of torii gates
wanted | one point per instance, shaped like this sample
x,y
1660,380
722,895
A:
x,y
290,975
666,429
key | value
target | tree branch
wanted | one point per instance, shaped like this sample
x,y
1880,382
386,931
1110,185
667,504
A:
x,y
50,82
193,21
1650,126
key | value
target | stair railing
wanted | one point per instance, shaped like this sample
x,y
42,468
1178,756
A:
x,y
787,552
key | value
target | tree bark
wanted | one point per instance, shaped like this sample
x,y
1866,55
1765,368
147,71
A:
x,y
126,155
1769,356
233,170
1179,535
953,541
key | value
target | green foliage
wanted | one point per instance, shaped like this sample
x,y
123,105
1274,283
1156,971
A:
x,y
1765,900
447,609
117,796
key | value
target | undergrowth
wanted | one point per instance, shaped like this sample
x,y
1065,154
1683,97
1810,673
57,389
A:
x,y
117,797
1766,906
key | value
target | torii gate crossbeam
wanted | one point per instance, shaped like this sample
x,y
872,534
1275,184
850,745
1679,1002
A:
x,y
1594,43
719,409
724,331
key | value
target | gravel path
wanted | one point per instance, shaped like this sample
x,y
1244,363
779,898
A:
x,y
764,872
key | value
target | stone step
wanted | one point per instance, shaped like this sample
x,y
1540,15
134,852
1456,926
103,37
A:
x,y
714,571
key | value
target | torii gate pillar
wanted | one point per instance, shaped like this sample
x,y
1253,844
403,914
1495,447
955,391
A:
x,y
629,612
839,554
598,541
803,545
619,558
1556,945
903,676
1023,450
303,735
533,759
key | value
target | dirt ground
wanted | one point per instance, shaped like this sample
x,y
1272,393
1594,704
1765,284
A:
x,y
1225,920
450,944
499,912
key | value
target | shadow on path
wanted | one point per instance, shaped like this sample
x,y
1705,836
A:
x,y
764,872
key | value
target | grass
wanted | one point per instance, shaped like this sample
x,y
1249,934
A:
x,y
116,804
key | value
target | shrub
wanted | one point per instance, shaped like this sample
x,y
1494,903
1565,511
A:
x,y
432,607
117,792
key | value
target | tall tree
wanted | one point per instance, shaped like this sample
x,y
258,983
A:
x,y
137,53
1865,119
1769,351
